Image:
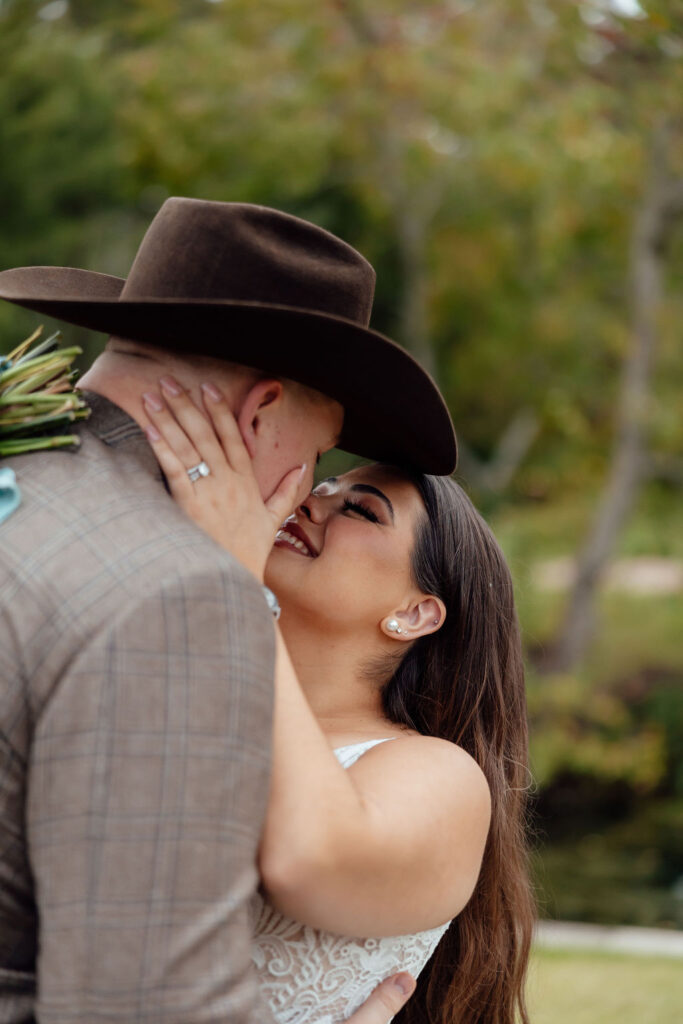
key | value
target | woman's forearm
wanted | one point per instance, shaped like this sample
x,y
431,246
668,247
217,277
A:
x,y
314,809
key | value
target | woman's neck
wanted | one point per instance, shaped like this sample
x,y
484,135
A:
x,y
331,672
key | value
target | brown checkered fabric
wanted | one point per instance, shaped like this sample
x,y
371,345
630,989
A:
x,y
136,668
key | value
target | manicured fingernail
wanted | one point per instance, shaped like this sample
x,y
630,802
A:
x,y
212,392
152,433
153,401
170,386
404,983
302,472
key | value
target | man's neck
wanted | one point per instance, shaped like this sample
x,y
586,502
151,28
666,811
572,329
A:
x,y
131,405
124,376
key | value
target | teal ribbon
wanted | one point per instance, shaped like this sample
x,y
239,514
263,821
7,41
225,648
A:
x,y
10,495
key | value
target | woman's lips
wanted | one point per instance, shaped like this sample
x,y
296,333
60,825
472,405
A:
x,y
292,536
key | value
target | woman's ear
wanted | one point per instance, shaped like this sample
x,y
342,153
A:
x,y
252,416
420,618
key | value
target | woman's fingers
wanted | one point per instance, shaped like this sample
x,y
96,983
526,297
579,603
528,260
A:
x,y
226,503
165,422
180,416
195,437
171,466
286,496
386,1000
226,428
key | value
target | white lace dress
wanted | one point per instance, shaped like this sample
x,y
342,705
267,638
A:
x,y
308,976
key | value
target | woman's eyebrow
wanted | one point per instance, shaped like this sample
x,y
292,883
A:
x,y
332,480
369,489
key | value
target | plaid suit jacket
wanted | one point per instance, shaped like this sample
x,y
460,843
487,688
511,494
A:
x,y
136,671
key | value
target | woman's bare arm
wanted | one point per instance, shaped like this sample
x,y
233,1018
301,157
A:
x,y
389,846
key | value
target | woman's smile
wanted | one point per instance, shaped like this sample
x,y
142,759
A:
x,y
290,535
332,498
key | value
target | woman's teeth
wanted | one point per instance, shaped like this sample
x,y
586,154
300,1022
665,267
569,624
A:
x,y
294,541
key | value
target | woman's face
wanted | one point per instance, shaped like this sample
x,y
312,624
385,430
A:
x,y
344,556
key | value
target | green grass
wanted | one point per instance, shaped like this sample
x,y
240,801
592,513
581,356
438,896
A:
x,y
598,988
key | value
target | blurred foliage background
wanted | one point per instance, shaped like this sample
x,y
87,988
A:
x,y
514,171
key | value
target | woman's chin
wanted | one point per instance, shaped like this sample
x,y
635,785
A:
x,y
280,570
283,560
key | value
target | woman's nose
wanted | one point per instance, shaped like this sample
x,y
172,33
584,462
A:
x,y
313,508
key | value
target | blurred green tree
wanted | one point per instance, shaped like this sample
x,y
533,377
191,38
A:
x,y
490,159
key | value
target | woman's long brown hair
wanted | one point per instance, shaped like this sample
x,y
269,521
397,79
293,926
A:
x,y
465,683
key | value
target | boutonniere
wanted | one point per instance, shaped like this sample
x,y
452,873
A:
x,y
38,400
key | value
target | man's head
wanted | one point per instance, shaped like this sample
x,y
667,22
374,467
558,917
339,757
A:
x,y
283,423
255,286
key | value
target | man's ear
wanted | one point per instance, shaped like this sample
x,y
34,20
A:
x,y
251,418
419,618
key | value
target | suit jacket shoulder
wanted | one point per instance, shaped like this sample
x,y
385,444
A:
x,y
96,531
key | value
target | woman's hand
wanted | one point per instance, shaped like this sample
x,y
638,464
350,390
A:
x,y
386,1000
227,503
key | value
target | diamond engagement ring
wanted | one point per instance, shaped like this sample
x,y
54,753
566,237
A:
x,y
201,469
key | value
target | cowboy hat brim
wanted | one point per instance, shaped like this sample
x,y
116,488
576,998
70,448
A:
x,y
393,409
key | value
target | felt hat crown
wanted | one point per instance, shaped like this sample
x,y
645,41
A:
x,y
265,289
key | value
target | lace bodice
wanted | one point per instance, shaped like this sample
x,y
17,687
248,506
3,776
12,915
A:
x,y
308,976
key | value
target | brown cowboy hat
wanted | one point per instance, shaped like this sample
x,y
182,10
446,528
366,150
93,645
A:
x,y
267,290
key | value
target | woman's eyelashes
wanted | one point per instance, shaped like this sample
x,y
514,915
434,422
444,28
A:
x,y
360,508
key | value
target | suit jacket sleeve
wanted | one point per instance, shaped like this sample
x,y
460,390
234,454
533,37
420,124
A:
x,y
147,789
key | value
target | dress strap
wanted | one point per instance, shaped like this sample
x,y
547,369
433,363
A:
x,y
349,754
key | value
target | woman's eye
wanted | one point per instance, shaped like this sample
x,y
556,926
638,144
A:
x,y
360,508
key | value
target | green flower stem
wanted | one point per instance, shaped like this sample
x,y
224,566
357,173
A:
x,y
18,352
42,398
49,345
37,424
34,373
37,397
21,447
19,416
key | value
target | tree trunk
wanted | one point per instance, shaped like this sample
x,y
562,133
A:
x,y
651,231
412,209
412,232
495,474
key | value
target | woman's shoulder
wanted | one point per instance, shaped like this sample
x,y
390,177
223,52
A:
x,y
437,760
436,750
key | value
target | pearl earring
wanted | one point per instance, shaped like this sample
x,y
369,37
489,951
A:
x,y
393,627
